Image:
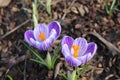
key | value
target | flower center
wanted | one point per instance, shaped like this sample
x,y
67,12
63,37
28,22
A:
x,y
42,36
76,49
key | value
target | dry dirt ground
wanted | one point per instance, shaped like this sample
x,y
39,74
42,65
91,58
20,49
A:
x,y
82,18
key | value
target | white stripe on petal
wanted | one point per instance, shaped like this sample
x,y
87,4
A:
x,y
65,50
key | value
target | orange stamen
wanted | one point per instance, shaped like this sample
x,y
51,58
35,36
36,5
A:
x,y
76,49
42,36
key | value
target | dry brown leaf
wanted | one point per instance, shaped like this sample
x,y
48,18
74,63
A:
x,y
74,10
86,9
81,10
4,3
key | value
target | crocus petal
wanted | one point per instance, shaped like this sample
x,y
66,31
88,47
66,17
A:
x,y
40,28
28,35
73,61
48,42
65,50
34,42
92,47
55,25
82,43
67,40
84,58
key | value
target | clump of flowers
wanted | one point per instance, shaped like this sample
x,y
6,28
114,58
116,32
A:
x,y
43,36
78,51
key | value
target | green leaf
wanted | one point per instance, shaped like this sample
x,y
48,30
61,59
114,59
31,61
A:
x,y
35,20
72,76
28,10
55,55
40,62
35,12
83,69
48,60
63,75
106,6
9,77
112,6
41,3
48,6
35,53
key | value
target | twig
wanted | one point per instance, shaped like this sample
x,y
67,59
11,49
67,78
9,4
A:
x,y
8,33
110,46
66,12
14,61
25,69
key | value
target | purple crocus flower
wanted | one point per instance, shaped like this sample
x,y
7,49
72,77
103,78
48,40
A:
x,y
43,36
78,51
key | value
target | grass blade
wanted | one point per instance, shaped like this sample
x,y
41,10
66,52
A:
x,y
55,54
34,53
83,69
40,62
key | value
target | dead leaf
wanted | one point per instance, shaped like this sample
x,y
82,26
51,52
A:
x,y
86,9
74,10
77,26
81,10
4,3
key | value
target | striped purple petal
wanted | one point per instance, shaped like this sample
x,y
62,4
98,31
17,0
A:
x,y
56,26
92,47
67,40
73,61
65,50
84,58
29,35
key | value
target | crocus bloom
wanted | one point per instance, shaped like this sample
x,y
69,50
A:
x,y
43,36
78,51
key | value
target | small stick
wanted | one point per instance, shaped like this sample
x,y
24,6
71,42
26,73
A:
x,y
110,46
25,65
8,33
14,61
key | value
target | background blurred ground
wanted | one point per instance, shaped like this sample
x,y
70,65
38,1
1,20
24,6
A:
x,y
83,17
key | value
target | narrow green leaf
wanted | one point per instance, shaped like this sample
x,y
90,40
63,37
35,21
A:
x,y
35,12
106,6
55,55
28,10
112,6
9,77
64,76
35,20
48,60
34,52
73,75
41,3
48,6
40,62
83,69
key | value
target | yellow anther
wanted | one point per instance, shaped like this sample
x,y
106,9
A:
x,y
76,49
42,36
